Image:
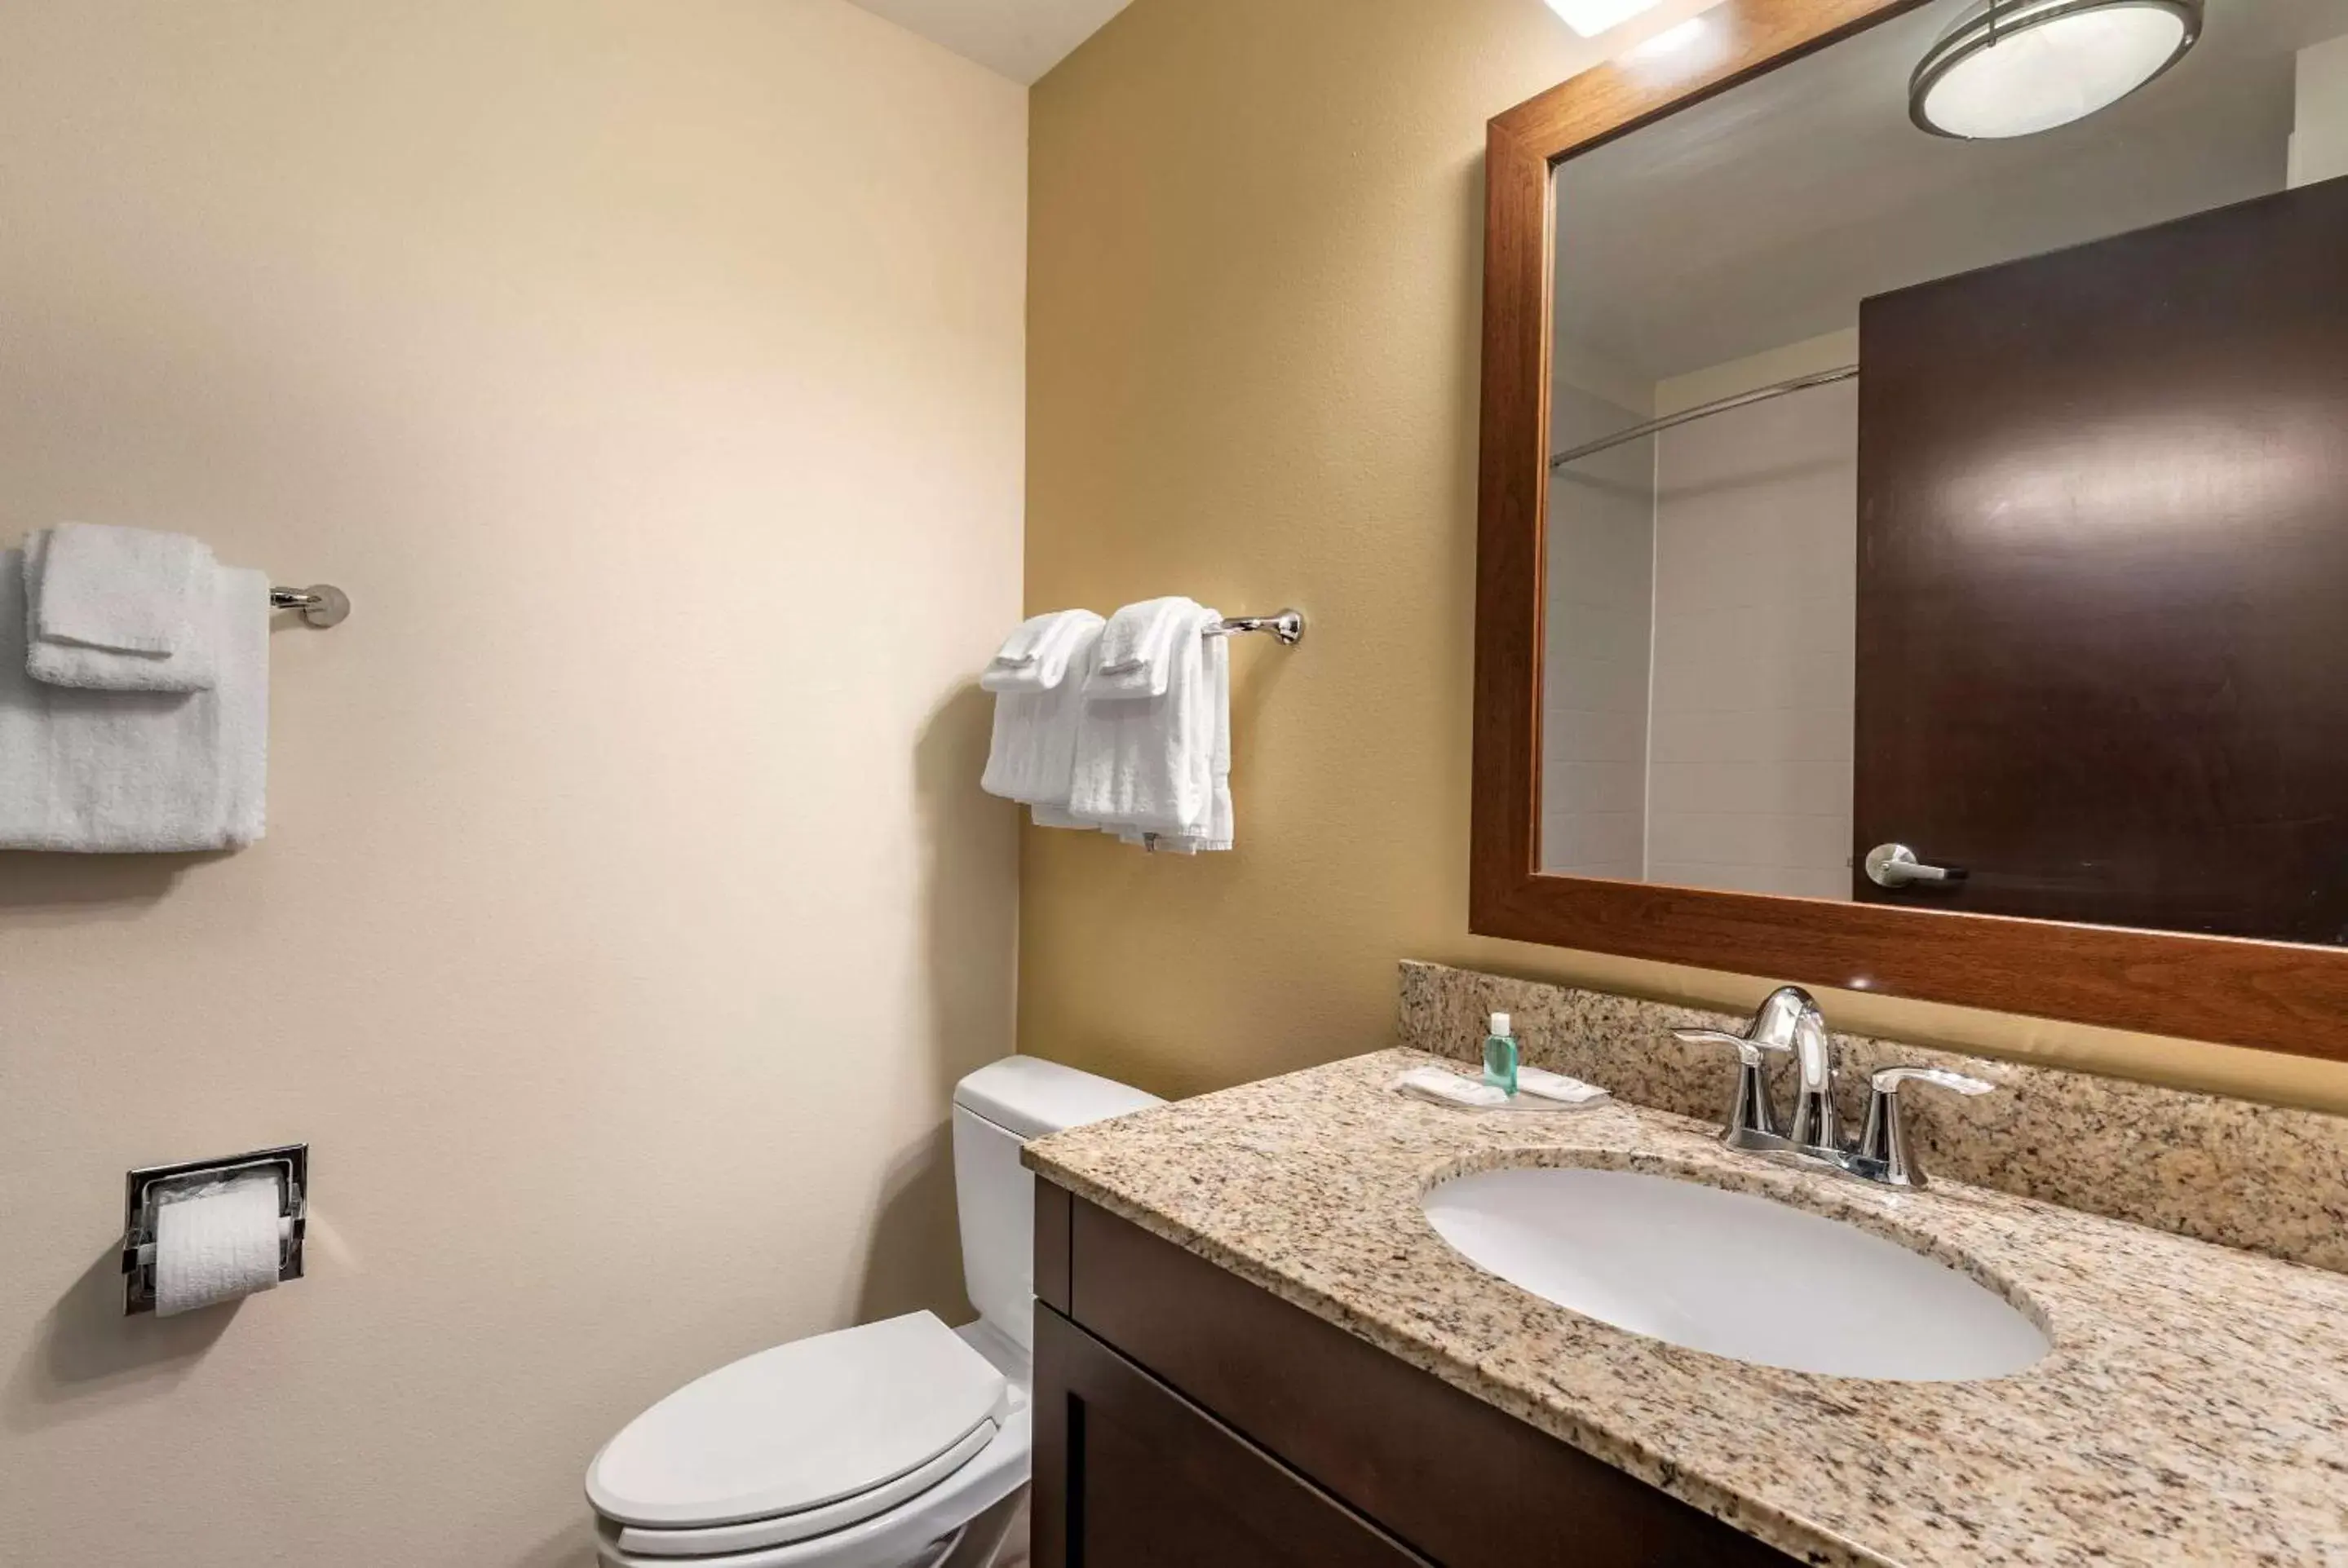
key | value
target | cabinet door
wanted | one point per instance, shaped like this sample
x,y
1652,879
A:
x,y
1129,1474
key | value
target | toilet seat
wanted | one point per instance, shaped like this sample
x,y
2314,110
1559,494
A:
x,y
808,1523
862,1448
910,1533
807,1424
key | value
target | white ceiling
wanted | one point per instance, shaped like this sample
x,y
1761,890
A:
x,y
1764,216
1020,39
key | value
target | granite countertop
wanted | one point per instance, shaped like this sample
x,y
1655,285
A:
x,y
2193,1409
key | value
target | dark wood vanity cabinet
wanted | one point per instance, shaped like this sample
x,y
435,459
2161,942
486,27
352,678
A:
x,y
1185,1417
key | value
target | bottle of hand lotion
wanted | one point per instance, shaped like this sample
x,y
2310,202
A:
x,y
1500,1055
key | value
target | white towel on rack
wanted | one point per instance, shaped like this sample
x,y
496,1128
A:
x,y
130,590
107,609
1037,656
1033,755
1138,648
1221,828
125,772
1147,765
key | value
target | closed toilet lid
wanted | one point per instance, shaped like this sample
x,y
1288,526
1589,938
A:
x,y
799,1426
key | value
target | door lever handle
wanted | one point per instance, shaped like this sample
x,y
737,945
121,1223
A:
x,y
1896,866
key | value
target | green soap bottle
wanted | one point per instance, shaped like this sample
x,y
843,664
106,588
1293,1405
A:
x,y
1500,1055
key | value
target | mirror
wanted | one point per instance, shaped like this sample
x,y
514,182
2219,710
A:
x,y
1975,508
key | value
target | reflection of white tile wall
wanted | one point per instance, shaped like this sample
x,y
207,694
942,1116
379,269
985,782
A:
x,y
1601,546
1755,597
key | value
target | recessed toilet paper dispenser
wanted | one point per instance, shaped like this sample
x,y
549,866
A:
x,y
146,1190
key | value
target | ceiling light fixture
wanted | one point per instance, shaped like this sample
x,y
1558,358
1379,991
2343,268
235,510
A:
x,y
2016,67
1591,17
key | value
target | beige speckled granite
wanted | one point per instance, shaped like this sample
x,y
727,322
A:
x,y
2263,1177
2194,1408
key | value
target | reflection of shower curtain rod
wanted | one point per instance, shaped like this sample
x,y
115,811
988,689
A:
x,y
1704,410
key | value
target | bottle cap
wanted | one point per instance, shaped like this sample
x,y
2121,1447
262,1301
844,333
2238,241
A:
x,y
1500,1023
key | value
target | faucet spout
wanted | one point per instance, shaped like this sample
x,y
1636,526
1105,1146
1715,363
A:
x,y
1817,1126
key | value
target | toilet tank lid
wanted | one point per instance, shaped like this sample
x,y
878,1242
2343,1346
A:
x,y
1032,1097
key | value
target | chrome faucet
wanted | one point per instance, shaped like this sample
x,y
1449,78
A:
x,y
1788,1020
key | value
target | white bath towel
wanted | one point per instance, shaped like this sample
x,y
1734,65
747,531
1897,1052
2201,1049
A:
x,y
1146,765
123,772
1037,656
1033,756
104,614
1138,648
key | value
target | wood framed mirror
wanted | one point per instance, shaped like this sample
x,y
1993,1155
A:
x,y
2090,596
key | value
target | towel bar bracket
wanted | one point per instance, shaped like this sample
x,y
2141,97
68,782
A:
x,y
1288,626
322,604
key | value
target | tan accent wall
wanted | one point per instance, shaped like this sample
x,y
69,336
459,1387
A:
x,y
650,375
1252,319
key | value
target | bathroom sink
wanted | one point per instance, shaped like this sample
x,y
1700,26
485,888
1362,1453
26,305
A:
x,y
1731,1274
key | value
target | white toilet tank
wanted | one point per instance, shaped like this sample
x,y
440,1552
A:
x,y
997,1109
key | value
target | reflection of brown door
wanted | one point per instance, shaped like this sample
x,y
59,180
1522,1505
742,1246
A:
x,y
2103,577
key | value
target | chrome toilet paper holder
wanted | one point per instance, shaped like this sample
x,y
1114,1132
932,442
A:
x,y
143,1191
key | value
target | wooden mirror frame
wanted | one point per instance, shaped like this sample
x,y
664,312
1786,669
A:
x,y
2276,996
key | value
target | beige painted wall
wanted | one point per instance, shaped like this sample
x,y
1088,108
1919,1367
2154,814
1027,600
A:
x,y
649,371
1252,377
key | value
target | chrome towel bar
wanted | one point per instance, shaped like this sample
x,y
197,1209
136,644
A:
x,y
1288,626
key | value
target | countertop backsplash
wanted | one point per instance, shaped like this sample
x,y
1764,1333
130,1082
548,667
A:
x,y
2269,1179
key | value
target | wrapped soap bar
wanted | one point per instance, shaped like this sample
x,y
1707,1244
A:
x,y
1535,1091
1449,1089
1556,1087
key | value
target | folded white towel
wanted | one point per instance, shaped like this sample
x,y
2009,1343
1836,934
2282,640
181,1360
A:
x,y
69,562
130,590
119,772
1138,648
1038,655
1146,765
1220,830
1033,755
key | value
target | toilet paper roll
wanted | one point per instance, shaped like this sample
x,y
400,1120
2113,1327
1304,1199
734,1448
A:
x,y
215,1244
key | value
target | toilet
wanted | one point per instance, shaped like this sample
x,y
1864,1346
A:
x,y
897,1444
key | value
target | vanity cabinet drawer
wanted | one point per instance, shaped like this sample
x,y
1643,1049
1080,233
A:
x,y
1129,1474
1460,1482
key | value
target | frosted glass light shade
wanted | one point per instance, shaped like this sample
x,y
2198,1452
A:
x,y
2016,67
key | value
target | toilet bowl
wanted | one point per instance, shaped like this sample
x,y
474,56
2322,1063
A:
x,y
896,1444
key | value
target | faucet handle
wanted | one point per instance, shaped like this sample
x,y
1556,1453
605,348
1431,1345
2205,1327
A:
x,y
1882,1153
1888,1080
1748,1051
1749,1118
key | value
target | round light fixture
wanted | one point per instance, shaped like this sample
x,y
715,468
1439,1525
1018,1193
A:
x,y
2016,67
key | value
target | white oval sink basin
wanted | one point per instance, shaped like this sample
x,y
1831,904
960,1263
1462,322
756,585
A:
x,y
1733,1274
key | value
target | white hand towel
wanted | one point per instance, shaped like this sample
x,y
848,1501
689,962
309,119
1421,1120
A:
x,y
122,772
1220,830
66,562
1138,648
1037,657
1033,756
130,590
1147,764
